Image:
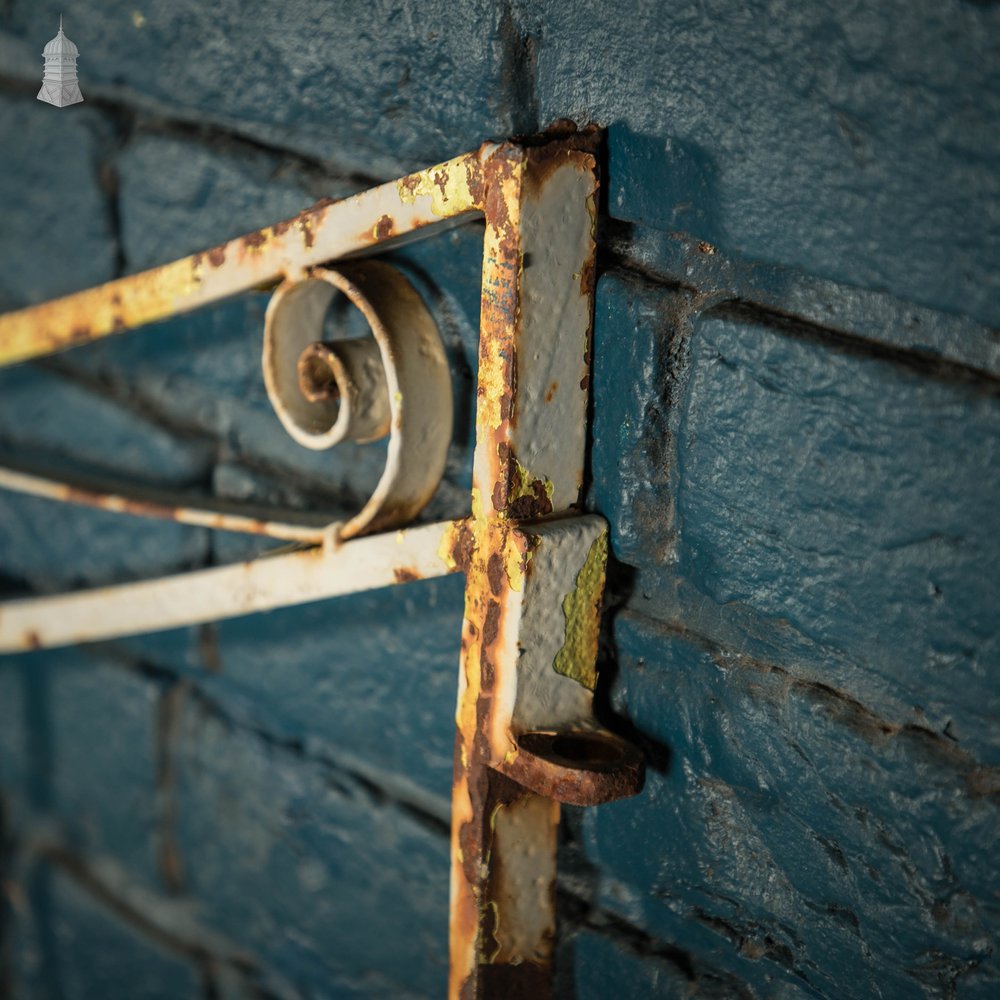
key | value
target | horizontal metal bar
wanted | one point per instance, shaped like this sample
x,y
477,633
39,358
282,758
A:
x,y
166,506
263,584
327,231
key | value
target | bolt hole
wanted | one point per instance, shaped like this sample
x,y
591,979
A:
x,y
590,751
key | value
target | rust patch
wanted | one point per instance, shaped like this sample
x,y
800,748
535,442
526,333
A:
x,y
487,675
580,769
545,161
491,625
551,392
588,277
75,494
495,573
506,405
32,640
707,248
475,180
523,981
384,228
585,383
462,550
537,503
280,228
253,241
499,496
217,255
410,183
145,508
405,574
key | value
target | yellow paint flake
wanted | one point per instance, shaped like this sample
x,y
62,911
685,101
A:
x,y
446,185
516,559
582,609
445,549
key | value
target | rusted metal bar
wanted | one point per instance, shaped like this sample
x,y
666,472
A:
x,y
263,584
524,740
168,507
285,251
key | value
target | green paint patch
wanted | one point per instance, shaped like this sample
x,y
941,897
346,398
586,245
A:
x,y
582,609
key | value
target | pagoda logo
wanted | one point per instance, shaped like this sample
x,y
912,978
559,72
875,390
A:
x,y
59,85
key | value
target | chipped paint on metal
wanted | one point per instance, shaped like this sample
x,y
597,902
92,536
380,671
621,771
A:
x,y
446,188
406,393
522,903
527,496
167,507
517,560
326,231
537,300
577,658
263,584
109,308
543,698
457,545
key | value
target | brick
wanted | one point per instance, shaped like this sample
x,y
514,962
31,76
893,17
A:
x,y
635,384
45,418
299,864
297,75
89,742
50,546
790,822
370,676
801,136
814,507
180,196
56,235
14,747
846,501
600,969
75,947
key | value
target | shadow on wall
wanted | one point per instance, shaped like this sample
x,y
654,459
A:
x,y
664,183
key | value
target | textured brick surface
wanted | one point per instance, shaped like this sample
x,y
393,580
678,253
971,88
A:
x,y
808,829
380,695
363,86
57,235
302,864
794,439
80,951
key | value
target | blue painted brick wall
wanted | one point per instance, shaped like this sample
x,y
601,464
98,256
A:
x,y
795,438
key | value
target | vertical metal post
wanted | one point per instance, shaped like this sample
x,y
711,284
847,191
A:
x,y
534,362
